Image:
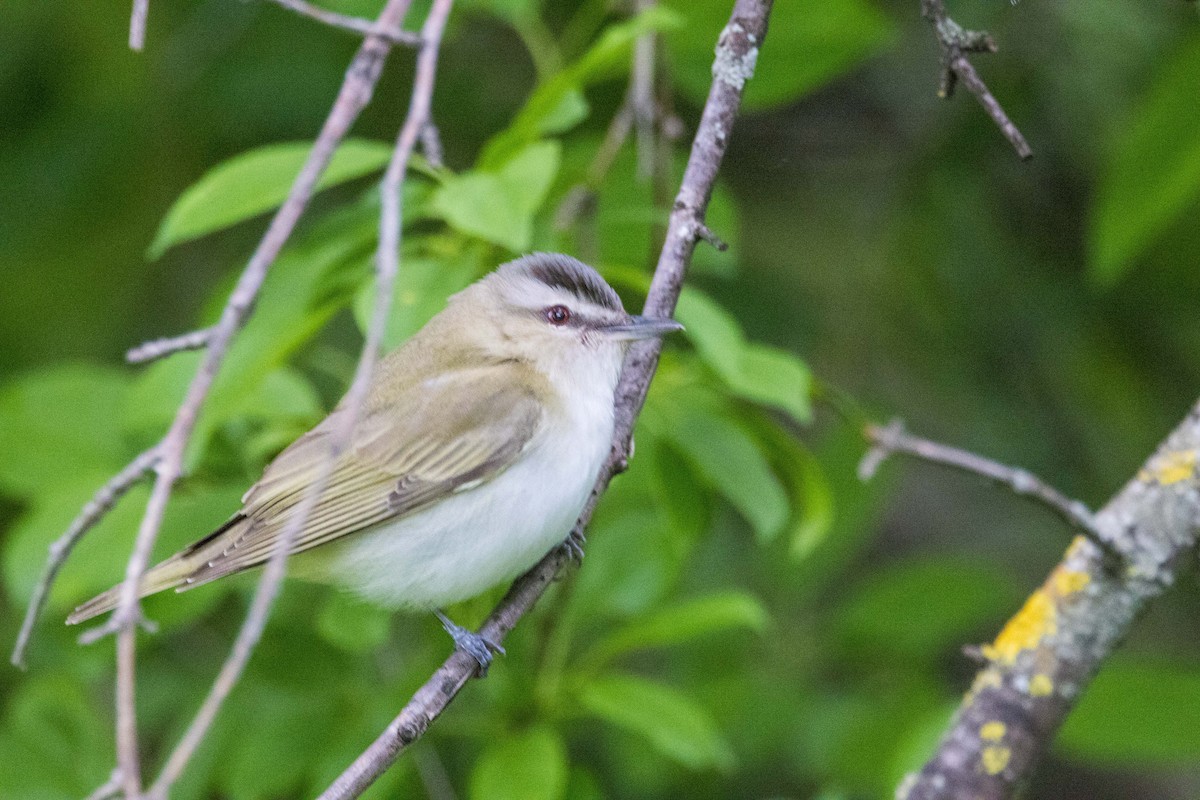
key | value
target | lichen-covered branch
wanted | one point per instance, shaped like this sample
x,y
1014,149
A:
x,y
1046,655
737,52
956,42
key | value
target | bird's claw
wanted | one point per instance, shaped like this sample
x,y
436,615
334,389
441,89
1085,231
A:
x,y
573,545
476,645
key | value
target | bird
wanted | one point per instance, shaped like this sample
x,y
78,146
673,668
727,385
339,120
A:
x,y
478,443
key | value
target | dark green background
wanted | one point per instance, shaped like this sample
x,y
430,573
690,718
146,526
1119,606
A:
x,y
1043,313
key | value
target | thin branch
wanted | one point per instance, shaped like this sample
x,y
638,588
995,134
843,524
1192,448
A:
x,y
1044,658
161,348
431,145
955,42
363,27
356,91
60,550
737,51
894,439
137,25
109,789
641,97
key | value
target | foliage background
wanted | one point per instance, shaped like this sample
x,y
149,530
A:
x,y
751,620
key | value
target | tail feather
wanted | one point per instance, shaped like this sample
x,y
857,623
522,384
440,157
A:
x,y
172,573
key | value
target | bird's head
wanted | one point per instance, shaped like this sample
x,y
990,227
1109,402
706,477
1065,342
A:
x,y
555,313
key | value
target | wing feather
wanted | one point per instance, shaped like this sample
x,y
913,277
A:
x,y
437,437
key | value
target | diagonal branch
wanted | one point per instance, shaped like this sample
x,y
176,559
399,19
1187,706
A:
x,y
137,24
363,27
892,438
387,266
1043,659
169,345
356,91
89,515
736,54
956,42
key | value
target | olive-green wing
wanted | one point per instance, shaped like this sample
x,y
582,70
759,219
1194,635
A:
x,y
436,437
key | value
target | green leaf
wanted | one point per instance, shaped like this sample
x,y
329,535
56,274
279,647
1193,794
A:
x,y
50,731
352,625
755,372
680,623
530,765
422,287
1153,171
917,609
499,206
729,459
57,423
551,108
810,493
672,722
256,181
809,43
1135,715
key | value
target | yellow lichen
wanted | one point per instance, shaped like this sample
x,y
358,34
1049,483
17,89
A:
x,y
1040,685
992,731
995,758
1067,581
1171,468
1035,620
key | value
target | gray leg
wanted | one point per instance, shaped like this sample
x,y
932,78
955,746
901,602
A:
x,y
478,647
573,545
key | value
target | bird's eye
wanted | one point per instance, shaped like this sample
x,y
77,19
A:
x,y
558,315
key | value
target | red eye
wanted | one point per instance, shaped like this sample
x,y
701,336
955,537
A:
x,y
558,315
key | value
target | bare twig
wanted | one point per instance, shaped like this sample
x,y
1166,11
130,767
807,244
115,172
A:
x,y
641,97
431,145
89,515
737,51
387,266
356,91
1043,659
363,27
892,438
109,789
137,24
955,42
161,348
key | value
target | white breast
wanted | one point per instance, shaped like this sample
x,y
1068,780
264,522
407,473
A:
x,y
489,534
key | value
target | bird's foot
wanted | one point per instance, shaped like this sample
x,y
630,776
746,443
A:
x,y
476,645
573,545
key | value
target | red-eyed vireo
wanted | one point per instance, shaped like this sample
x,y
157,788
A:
x,y
479,442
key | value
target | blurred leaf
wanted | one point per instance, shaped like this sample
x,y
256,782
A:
x,y
729,458
809,44
917,609
679,623
1153,172
352,625
672,722
499,206
530,765
58,422
684,502
1137,714
48,750
752,371
256,181
554,106
809,489
422,287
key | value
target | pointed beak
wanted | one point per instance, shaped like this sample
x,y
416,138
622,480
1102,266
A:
x,y
640,328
